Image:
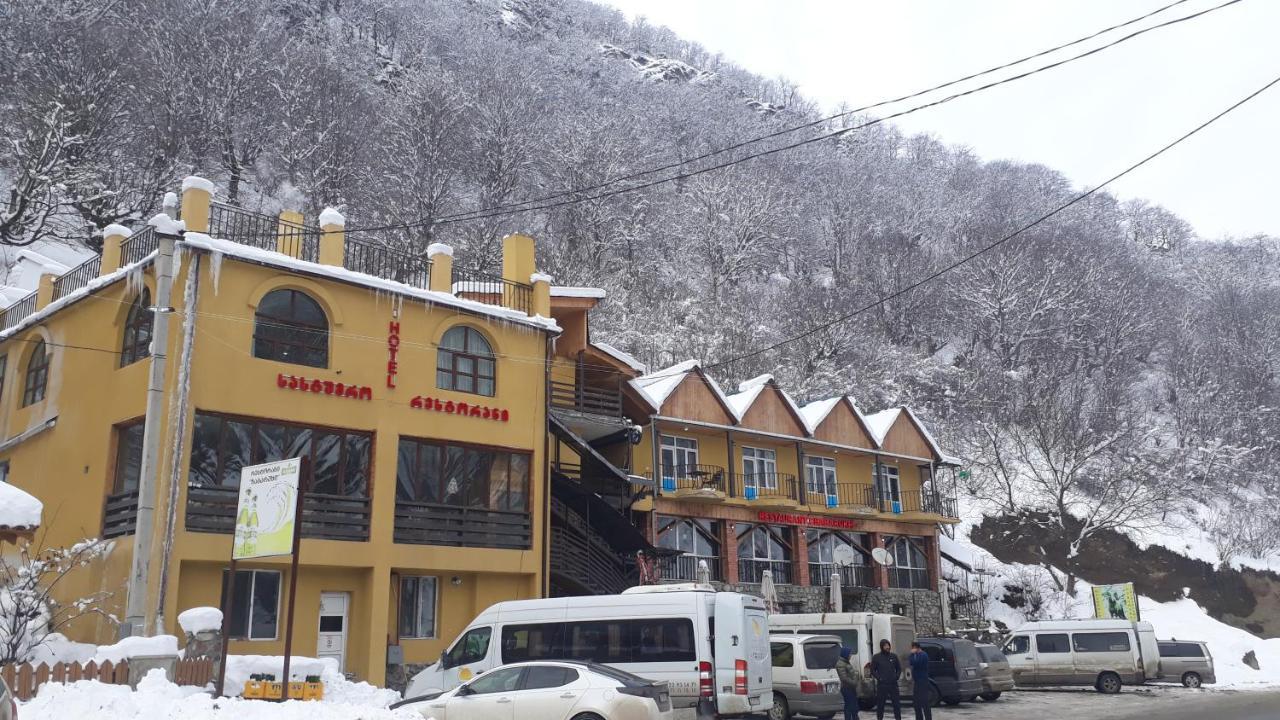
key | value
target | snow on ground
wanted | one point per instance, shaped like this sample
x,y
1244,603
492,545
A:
x,y
336,687
158,699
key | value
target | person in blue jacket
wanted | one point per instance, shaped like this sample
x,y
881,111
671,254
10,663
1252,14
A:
x,y
919,662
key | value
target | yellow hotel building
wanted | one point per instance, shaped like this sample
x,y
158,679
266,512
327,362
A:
x,y
419,401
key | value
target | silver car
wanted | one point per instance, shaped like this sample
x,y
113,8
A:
x,y
804,676
1186,661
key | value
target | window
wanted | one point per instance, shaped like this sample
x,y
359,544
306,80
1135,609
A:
x,y
1017,645
462,476
698,539
128,458
910,567
759,469
763,547
291,327
679,456
1189,650
137,330
521,643
540,677
417,607
4,366
37,375
887,484
471,647
496,681
848,638
784,654
255,609
4,471
820,475
935,653
602,641
222,445
464,362
1052,643
1101,642
821,655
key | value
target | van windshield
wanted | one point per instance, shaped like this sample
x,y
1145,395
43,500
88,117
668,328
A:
x,y
821,655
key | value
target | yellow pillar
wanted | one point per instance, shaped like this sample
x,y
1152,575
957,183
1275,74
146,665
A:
x,y
517,259
379,623
113,237
197,195
289,233
332,237
441,257
44,293
541,295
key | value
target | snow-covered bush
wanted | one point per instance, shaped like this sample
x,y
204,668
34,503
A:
x,y
29,611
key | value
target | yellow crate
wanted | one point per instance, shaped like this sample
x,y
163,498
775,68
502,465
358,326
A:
x,y
313,691
273,691
297,690
253,689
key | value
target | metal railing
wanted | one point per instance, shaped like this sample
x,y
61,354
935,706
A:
x,y
596,401
139,245
751,571
77,277
850,575
17,311
492,289
266,232
913,578
389,263
685,567
768,486
691,477
848,496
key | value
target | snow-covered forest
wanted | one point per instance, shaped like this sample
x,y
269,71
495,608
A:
x,y
1108,370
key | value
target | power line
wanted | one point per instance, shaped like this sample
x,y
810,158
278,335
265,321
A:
x,y
528,206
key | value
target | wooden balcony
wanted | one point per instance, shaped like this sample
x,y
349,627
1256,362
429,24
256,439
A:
x,y
435,524
586,400
328,517
120,514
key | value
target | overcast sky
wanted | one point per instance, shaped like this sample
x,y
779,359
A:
x,y
1088,119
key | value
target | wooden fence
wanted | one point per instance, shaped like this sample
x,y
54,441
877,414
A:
x,y
25,679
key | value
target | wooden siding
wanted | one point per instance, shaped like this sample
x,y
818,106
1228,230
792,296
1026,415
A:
x,y
770,413
693,399
904,438
841,426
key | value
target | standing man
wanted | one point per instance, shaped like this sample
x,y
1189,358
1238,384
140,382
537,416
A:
x,y
848,683
886,669
919,662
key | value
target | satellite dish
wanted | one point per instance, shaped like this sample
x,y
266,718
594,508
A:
x,y
844,556
882,556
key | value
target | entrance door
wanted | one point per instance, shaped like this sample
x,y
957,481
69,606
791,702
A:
x,y
332,640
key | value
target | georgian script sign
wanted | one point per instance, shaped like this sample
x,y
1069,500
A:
x,y
324,387
806,520
450,407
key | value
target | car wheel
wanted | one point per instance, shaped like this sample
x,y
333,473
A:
x,y
779,711
991,696
1191,680
1109,683
587,716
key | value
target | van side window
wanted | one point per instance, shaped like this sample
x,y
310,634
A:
x,y
784,654
934,652
848,638
1017,645
471,647
1168,650
663,640
1052,643
532,642
1101,642
1190,650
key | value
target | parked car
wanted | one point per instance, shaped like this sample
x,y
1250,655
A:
x,y
8,705
1187,661
954,669
997,676
1103,653
660,632
548,691
861,631
804,676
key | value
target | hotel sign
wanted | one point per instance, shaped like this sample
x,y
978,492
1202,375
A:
x,y
450,407
324,387
820,521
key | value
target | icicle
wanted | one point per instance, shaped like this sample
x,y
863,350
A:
x,y
215,268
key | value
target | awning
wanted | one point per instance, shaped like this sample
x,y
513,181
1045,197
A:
x,y
610,524
583,448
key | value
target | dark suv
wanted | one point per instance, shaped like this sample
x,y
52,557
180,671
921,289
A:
x,y
954,668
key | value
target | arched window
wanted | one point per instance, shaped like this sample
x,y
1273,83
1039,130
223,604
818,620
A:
x,y
697,539
763,547
464,362
37,375
910,567
291,327
137,330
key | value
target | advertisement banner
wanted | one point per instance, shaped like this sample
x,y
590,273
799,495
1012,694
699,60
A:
x,y
267,509
1115,602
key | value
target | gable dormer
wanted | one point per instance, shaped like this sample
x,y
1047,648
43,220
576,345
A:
x,y
843,425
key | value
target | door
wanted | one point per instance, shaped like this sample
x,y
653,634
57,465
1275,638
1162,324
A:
x,y
549,692
1054,662
1022,660
489,697
332,641
742,655
467,658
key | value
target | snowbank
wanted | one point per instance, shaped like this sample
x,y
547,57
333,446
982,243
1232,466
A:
x,y
200,619
56,648
18,509
336,687
158,698
137,647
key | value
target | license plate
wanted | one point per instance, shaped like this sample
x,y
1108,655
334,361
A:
x,y
663,698
754,701
833,687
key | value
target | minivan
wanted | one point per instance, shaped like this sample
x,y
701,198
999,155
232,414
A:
x,y
804,676
955,670
1103,653
997,677
711,648
860,631
1187,661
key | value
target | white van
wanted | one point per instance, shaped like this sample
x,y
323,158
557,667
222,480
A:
x,y
712,648
1103,653
861,631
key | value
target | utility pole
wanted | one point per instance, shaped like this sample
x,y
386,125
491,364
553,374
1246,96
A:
x,y
140,571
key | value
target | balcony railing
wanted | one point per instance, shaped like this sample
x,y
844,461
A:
x,y
435,524
685,567
691,477
17,311
751,571
847,496
139,245
384,262
583,399
915,578
768,486
120,514
850,575
267,232
77,277
492,289
330,517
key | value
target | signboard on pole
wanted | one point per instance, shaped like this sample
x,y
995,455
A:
x,y
1116,602
267,510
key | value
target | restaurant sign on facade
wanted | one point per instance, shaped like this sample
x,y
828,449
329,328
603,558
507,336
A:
x,y
779,518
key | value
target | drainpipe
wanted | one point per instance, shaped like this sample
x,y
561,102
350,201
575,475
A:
x,y
140,570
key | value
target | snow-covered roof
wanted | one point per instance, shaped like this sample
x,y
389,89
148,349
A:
x,y
10,294
71,297
623,357
569,291
658,386
18,509
228,248
817,411
880,422
749,391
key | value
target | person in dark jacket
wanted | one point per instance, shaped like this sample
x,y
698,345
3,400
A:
x,y
919,662
848,683
886,669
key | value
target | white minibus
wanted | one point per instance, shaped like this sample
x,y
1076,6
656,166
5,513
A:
x,y
1103,653
712,648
